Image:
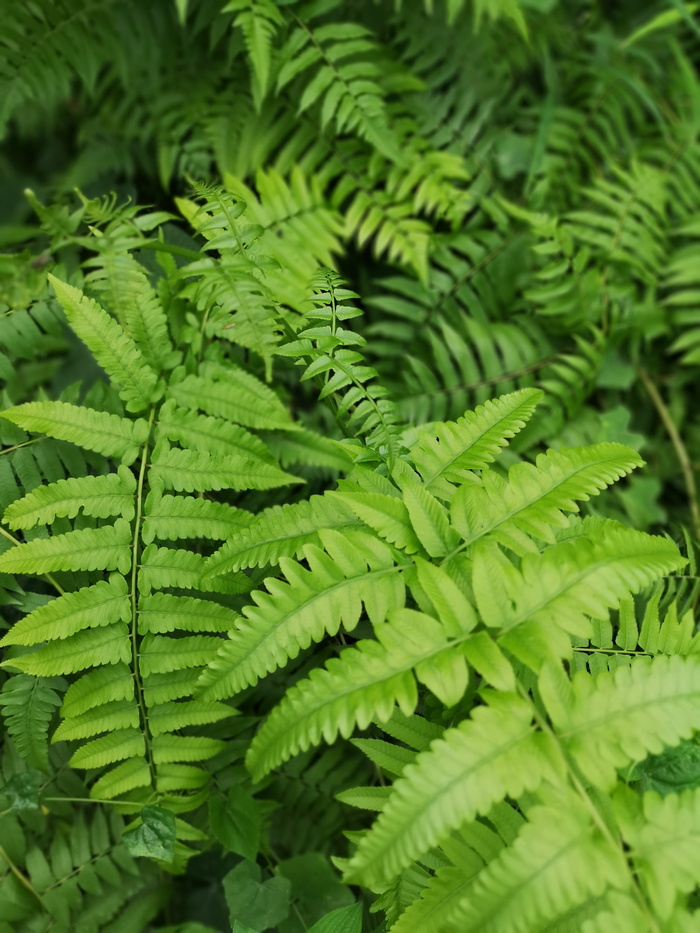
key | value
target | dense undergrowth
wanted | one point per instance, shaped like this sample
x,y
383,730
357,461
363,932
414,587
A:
x,y
349,513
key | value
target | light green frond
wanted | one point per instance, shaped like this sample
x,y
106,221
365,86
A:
x,y
107,717
98,496
387,515
130,774
90,607
163,688
106,548
559,860
146,319
565,585
94,430
362,685
311,604
430,521
169,717
280,531
160,654
28,705
104,685
168,748
208,434
90,648
446,453
440,898
532,499
196,471
162,567
234,395
108,749
160,613
621,717
494,754
665,847
173,517
113,349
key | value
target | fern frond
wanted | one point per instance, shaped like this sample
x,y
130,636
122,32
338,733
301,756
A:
x,y
103,685
93,606
564,586
169,717
557,862
234,395
664,847
161,613
280,531
94,430
172,517
444,455
113,349
90,647
208,434
534,496
103,496
494,754
364,684
312,603
160,654
106,717
197,471
28,705
108,749
259,21
105,548
619,717
162,567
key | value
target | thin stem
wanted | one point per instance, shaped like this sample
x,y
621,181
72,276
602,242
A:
x,y
9,450
680,448
134,607
23,880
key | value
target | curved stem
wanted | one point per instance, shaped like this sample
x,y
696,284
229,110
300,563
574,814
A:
x,y
680,448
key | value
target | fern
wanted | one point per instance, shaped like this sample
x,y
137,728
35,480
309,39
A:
x,y
132,670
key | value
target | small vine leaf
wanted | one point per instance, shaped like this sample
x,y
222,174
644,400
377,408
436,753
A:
x,y
155,837
23,790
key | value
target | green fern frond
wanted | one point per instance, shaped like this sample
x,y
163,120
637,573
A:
x,y
105,548
208,434
444,455
312,603
28,704
280,531
664,846
494,754
534,496
104,496
362,685
558,861
162,567
258,20
103,685
107,717
172,517
198,471
160,654
234,395
555,593
113,349
93,606
161,613
619,717
94,430
90,647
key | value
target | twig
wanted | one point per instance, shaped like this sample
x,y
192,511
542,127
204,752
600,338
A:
x,y
680,448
